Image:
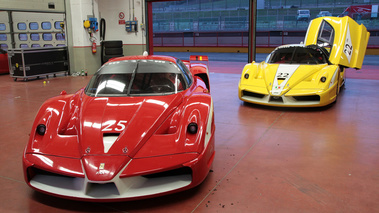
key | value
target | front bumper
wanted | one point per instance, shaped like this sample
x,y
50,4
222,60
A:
x,y
181,176
312,99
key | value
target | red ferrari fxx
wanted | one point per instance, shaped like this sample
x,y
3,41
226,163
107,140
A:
x,y
142,127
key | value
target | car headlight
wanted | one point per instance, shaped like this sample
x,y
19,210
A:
x,y
192,128
41,129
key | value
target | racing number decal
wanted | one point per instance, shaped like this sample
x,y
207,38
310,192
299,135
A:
x,y
282,75
120,125
110,126
348,47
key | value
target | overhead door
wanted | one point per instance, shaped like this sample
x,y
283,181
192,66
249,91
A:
x,y
5,32
33,29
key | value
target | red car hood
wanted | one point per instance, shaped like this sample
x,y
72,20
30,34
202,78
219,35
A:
x,y
114,129
132,120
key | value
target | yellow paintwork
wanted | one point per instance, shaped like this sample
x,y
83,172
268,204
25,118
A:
x,y
343,28
305,80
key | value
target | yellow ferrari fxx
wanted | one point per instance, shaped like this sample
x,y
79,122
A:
x,y
309,74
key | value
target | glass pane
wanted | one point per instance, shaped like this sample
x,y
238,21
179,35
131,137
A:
x,y
24,46
4,46
57,25
33,25
23,37
59,37
46,25
47,45
2,27
146,78
3,37
34,37
21,26
47,37
36,45
326,34
61,45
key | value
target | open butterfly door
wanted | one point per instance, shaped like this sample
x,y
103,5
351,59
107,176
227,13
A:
x,y
345,39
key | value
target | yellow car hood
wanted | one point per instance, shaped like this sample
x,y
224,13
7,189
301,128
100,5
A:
x,y
280,78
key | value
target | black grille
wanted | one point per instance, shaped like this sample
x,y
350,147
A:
x,y
276,99
35,171
307,98
102,189
175,172
252,94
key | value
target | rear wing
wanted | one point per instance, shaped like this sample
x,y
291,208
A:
x,y
199,58
200,69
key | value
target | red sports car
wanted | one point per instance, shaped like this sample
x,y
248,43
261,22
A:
x,y
3,62
142,127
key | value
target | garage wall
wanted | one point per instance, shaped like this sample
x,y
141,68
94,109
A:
x,y
134,42
77,38
80,47
35,5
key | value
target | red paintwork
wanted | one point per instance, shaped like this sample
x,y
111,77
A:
x,y
4,68
64,165
155,134
354,11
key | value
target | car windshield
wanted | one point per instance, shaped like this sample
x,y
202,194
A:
x,y
298,55
137,78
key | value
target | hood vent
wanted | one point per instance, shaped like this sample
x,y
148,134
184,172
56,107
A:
x,y
108,140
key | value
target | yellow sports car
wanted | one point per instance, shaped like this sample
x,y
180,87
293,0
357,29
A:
x,y
309,74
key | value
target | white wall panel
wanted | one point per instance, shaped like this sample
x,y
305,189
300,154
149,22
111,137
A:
x,y
80,10
110,10
35,5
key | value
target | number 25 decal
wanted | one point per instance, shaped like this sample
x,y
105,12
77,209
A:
x,y
112,126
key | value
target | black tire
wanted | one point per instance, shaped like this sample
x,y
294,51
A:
x,y
113,51
107,57
112,44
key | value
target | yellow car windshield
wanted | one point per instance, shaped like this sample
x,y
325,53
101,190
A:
x,y
298,55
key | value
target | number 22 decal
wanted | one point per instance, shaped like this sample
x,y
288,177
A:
x,y
348,49
110,126
283,75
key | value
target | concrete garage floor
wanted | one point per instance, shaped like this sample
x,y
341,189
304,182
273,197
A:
x,y
267,159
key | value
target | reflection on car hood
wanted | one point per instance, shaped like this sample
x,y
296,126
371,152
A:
x,y
283,77
130,120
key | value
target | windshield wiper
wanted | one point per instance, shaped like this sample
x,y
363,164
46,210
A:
x,y
132,78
